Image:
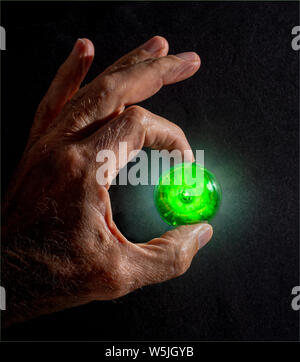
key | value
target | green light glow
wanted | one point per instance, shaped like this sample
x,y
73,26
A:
x,y
181,198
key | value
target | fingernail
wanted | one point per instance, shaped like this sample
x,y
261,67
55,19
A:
x,y
152,45
204,234
188,56
77,46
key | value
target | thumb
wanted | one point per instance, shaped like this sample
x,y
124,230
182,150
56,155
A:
x,y
170,255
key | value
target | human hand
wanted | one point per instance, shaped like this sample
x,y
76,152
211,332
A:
x,y
60,246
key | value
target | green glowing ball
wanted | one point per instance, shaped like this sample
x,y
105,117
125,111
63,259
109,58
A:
x,y
187,194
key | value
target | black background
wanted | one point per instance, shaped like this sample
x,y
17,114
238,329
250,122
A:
x,y
241,108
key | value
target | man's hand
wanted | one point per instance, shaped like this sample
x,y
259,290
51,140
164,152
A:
x,y
60,246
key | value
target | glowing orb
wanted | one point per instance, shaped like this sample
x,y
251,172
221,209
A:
x,y
187,194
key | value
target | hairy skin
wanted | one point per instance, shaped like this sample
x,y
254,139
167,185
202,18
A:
x,y
60,246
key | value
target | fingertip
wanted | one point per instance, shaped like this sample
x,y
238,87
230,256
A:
x,y
197,58
186,65
156,45
164,44
205,233
190,57
83,48
192,67
188,156
197,63
85,53
88,47
200,234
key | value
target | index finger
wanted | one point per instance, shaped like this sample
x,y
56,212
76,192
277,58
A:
x,y
137,128
108,94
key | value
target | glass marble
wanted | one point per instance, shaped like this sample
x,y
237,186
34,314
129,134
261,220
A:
x,y
182,198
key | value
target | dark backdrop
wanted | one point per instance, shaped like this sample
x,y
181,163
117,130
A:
x,y
241,108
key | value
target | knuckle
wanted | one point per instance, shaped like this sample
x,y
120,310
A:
x,y
180,261
112,269
113,280
131,59
135,114
158,69
116,279
108,83
81,108
137,55
71,160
